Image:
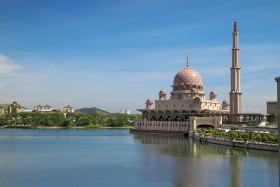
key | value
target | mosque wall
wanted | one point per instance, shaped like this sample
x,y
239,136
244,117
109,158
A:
x,y
162,125
177,126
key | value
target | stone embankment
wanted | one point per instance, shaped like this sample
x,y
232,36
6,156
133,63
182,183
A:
x,y
233,143
237,127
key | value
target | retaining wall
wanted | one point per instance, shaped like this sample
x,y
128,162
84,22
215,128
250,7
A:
x,y
184,133
266,147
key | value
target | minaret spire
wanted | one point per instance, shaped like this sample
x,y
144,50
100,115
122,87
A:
x,y
235,26
188,64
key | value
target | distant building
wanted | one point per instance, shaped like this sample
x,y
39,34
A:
x,y
68,109
271,107
3,109
15,108
124,111
12,108
43,108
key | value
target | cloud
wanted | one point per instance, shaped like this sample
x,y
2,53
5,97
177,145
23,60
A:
x,y
6,67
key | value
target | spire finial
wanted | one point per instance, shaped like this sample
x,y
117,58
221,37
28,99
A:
x,y
188,60
235,26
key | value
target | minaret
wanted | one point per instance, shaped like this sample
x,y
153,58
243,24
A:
x,y
235,93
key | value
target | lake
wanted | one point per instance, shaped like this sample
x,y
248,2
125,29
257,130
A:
x,y
114,157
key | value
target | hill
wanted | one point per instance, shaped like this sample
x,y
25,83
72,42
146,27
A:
x,y
93,110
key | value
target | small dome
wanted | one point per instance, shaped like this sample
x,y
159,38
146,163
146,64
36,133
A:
x,y
225,102
213,92
149,100
162,91
194,90
197,99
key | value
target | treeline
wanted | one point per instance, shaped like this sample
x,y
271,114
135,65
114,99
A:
x,y
68,120
93,111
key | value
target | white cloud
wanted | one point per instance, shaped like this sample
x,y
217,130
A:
x,y
6,67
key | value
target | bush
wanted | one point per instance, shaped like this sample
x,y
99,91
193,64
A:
x,y
252,124
199,131
264,139
269,142
240,139
258,137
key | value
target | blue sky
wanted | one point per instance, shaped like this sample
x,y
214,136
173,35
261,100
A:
x,y
116,54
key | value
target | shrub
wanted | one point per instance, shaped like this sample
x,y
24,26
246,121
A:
x,y
269,142
240,139
199,131
264,139
258,137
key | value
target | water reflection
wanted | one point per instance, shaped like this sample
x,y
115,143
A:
x,y
199,164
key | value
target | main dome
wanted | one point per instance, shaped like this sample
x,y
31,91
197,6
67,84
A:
x,y
187,76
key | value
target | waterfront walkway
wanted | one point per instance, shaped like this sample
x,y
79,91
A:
x,y
236,143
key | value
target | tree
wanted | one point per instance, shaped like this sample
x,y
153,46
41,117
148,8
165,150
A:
x,y
272,118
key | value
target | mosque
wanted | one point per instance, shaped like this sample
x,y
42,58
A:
x,y
187,99
188,108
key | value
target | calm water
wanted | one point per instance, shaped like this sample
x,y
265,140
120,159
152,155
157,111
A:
x,y
117,158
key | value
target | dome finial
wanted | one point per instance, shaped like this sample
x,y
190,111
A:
x,y
188,65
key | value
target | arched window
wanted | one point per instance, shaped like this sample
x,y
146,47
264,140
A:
x,y
182,87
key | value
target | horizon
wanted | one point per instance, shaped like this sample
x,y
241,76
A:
x,y
116,55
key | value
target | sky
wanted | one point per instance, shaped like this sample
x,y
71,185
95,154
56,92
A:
x,y
116,54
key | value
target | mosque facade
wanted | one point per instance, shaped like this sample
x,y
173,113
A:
x,y
187,99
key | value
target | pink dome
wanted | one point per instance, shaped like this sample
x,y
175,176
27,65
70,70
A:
x,y
149,100
162,91
213,92
194,90
188,76
197,99
225,102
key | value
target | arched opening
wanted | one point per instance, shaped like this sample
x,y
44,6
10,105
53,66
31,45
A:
x,y
188,87
160,118
182,87
194,86
177,118
193,112
153,118
187,118
168,118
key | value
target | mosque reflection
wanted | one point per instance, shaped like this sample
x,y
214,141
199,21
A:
x,y
189,163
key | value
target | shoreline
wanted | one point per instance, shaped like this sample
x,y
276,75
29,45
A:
x,y
240,144
57,127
